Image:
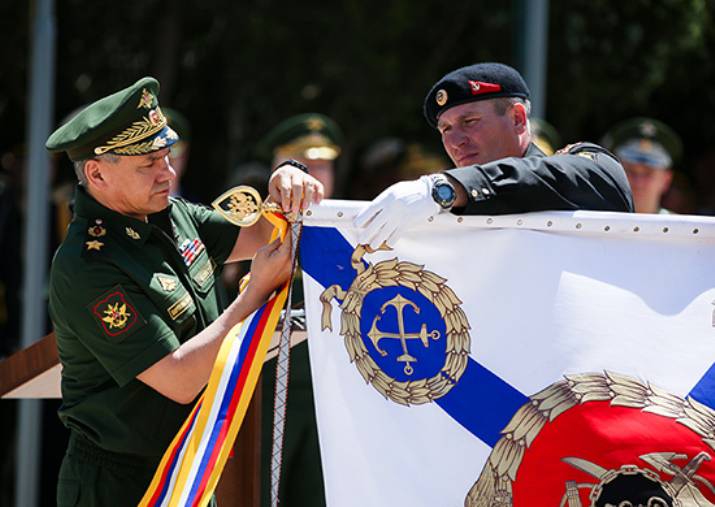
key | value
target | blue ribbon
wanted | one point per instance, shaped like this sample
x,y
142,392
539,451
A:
x,y
480,401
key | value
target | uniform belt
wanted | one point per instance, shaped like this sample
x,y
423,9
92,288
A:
x,y
82,448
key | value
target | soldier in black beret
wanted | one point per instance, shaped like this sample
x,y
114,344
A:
x,y
482,113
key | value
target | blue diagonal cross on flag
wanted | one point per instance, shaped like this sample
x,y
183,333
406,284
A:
x,y
567,324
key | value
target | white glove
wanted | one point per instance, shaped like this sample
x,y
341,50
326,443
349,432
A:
x,y
395,210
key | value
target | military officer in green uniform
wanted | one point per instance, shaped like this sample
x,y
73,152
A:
x,y
315,141
133,294
312,139
647,149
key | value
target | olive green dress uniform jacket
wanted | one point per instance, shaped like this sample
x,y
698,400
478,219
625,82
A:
x,y
581,176
123,294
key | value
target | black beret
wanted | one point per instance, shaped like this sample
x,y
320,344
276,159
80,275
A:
x,y
475,82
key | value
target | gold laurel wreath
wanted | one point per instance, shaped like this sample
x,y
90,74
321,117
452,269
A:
x,y
138,131
393,273
142,148
493,488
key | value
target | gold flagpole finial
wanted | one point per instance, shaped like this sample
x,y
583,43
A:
x,y
243,206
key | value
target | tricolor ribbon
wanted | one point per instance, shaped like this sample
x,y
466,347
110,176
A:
x,y
191,467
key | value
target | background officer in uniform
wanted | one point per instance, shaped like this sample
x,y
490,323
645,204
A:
x,y
544,136
647,149
314,140
133,294
482,113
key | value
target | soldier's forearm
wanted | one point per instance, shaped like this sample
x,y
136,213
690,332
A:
x,y
251,239
182,374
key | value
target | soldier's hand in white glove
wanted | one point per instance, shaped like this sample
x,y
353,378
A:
x,y
395,210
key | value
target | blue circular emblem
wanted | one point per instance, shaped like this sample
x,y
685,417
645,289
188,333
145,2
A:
x,y
404,333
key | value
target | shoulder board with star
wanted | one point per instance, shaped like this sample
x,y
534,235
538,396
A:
x,y
584,149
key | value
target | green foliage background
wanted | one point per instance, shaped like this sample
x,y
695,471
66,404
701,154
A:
x,y
237,68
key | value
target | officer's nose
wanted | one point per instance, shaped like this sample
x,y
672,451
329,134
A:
x,y
456,138
167,172
454,141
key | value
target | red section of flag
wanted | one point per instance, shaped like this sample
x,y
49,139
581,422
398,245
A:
x,y
481,87
609,437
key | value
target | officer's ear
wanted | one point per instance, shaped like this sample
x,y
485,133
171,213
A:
x,y
666,180
93,172
520,117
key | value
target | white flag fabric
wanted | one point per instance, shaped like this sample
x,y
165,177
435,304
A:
x,y
563,358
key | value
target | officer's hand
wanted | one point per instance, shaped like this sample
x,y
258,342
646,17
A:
x,y
395,210
293,189
270,268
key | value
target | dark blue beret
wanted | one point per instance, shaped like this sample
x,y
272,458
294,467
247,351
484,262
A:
x,y
475,82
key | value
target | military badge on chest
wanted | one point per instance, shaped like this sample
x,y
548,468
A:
x,y
167,283
190,250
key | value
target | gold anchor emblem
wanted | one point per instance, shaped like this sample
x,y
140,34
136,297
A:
x,y
243,206
375,335
396,273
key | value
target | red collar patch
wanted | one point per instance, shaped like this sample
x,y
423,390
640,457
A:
x,y
481,87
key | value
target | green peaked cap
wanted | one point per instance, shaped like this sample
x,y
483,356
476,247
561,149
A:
x,y
644,140
128,122
309,135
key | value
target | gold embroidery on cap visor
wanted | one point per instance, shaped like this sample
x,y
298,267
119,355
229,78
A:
x,y
123,142
312,146
441,97
315,124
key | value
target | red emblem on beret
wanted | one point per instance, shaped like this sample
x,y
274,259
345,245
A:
x,y
480,87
